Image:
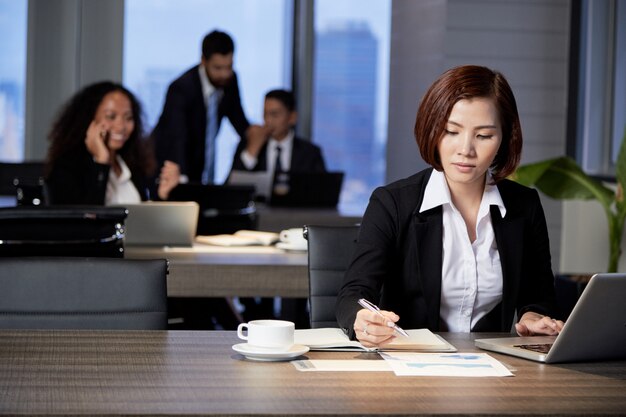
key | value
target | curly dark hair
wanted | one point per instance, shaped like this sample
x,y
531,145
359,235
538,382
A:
x,y
68,131
461,83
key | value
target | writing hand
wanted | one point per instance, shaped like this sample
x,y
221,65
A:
x,y
373,330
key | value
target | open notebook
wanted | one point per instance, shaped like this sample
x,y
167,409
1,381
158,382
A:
x,y
419,340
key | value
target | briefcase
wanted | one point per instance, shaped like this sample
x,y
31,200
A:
x,y
62,231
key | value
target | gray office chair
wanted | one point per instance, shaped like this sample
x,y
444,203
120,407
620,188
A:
x,y
330,251
83,293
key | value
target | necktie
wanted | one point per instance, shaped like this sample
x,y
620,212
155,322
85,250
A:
x,y
278,166
281,178
208,173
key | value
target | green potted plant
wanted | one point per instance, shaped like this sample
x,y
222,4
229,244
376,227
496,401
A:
x,y
562,178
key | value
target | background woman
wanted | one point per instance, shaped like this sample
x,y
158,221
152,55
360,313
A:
x,y
97,153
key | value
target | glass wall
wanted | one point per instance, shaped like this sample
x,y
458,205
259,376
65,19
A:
x,y
162,39
13,18
350,93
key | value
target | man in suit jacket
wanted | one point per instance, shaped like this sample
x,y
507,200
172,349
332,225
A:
x,y
270,145
258,152
181,133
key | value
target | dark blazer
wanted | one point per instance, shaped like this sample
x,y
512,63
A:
x,y
398,258
76,179
180,133
305,157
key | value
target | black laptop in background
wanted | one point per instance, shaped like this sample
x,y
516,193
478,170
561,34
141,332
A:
x,y
224,209
311,189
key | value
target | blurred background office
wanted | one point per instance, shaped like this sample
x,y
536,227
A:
x,y
357,67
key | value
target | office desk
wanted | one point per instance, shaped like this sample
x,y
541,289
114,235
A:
x,y
177,373
212,271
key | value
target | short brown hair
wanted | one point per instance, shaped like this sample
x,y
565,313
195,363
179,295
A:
x,y
462,83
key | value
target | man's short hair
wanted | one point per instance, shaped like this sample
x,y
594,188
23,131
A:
x,y
284,96
217,42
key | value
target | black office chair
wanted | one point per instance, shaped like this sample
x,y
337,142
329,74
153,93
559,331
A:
x,y
83,293
62,231
24,180
330,252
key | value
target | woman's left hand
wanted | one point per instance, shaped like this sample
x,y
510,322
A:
x,y
533,324
168,179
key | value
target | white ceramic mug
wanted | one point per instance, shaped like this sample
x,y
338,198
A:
x,y
268,334
293,237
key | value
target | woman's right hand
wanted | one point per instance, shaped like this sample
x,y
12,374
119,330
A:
x,y
95,141
373,330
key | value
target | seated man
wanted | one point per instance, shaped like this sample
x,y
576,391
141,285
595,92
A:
x,y
274,148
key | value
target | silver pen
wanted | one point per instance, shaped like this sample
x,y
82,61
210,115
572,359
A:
x,y
373,307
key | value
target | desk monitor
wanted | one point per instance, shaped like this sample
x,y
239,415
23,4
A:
x,y
223,208
596,329
260,180
161,223
311,189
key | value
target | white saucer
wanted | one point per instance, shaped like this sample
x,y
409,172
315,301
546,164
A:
x,y
265,355
288,247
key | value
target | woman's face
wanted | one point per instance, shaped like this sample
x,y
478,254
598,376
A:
x,y
470,141
116,115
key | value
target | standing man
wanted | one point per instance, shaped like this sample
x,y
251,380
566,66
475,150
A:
x,y
194,107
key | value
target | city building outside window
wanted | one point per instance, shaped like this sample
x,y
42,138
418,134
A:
x,y
13,18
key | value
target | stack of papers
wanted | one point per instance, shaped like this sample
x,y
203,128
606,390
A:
x,y
241,238
420,340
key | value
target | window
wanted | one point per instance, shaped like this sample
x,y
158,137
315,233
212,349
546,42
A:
x,y
163,38
13,17
350,93
598,87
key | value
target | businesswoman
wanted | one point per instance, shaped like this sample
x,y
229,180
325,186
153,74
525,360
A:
x,y
456,247
97,153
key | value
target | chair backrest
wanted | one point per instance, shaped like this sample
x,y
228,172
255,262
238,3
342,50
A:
x,y
83,293
25,172
62,231
330,252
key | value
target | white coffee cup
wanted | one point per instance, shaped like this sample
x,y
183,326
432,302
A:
x,y
268,334
293,237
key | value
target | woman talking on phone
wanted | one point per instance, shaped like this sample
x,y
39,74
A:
x,y
97,153
456,247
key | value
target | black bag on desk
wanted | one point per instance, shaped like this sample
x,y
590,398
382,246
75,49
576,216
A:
x,y
62,231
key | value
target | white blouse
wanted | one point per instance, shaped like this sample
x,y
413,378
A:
x,y
471,272
120,189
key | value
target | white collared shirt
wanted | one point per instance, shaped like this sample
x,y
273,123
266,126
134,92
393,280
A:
x,y
121,190
207,87
471,272
286,147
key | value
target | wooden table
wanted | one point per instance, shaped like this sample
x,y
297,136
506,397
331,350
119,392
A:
x,y
178,373
212,271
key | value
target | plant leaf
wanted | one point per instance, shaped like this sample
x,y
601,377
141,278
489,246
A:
x,y
562,178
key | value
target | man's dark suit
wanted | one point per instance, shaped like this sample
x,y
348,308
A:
x,y
399,250
180,133
305,157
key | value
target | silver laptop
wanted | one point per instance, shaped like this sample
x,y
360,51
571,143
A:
x,y
595,330
161,223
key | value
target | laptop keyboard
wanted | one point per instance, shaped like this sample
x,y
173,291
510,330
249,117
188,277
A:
x,y
540,347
